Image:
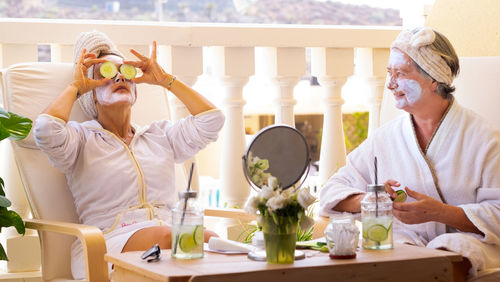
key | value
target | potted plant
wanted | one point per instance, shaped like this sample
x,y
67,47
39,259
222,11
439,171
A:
x,y
15,127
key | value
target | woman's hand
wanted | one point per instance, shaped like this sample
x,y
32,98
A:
x,y
80,79
388,187
152,72
425,209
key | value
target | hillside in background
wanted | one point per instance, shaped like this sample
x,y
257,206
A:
x,y
224,11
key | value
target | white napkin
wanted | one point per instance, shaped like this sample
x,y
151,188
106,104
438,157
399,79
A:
x,y
228,246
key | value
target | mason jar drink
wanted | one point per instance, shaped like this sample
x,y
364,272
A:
x,y
376,216
187,227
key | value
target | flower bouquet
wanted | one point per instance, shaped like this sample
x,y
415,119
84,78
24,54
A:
x,y
279,212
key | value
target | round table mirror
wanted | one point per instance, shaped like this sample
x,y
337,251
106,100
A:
x,y
286,151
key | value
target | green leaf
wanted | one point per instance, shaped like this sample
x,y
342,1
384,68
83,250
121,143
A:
x,y
11,218
3,255
2,186
13,125
4,202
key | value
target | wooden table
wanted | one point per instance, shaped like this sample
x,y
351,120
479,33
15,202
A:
x,y
403,263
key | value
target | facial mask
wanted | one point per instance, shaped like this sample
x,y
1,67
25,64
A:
x,y
412,91
397,58
106,97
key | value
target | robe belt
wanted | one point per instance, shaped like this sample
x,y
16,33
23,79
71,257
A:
x,y
148,206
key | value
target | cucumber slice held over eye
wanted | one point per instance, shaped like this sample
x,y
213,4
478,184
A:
x,y
129,72
108,70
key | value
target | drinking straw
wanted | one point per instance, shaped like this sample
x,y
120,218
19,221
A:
x,y
376,190
184,208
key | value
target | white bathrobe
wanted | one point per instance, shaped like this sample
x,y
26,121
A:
x,y
121,188
462,162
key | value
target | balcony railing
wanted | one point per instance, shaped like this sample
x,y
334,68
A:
x,y
236,53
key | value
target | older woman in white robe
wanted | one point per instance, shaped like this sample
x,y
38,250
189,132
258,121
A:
x,y
446,158
121,176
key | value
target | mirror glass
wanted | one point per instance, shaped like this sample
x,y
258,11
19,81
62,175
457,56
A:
x,y
286,152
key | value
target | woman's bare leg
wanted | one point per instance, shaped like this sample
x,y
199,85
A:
x,y
145,238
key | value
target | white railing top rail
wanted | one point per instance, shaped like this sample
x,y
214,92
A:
x,y
36,31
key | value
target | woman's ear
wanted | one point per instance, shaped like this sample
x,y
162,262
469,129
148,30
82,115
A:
x,y
434,86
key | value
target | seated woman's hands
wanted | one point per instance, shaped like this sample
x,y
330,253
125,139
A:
x,y
80,79
423,209
152,72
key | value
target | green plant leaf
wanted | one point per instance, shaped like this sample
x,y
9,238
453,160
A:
x,y
3,255
13,125
11,218
4,202
2,186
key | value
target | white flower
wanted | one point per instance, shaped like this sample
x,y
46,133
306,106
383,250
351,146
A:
x,y
276,202
305,198
267,192
306,222
252,204
272,181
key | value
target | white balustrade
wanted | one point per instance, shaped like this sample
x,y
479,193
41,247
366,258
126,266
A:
x,y
283,67
233,66
371,65
186,63
332,66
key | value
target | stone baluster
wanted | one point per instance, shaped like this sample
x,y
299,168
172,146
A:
x,y
284,67
186,63
60,53
371,66
332,67
233,66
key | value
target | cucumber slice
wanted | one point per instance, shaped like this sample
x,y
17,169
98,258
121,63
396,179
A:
x,y
129,72
400,196
108,70
377,233
198,234
187,243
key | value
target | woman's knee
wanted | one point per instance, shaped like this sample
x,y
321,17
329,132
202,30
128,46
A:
x,y
207,234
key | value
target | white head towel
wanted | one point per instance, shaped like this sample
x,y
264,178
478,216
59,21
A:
x,y
417,46
95,42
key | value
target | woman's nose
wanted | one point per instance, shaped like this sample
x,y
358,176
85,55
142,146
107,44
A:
x,y
119,78
391,84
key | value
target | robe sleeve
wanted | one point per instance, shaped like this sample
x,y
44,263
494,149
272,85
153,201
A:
x,y
485,213
349,180
191,134
59,140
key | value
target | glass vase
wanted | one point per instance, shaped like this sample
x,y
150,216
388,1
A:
x,y
280,235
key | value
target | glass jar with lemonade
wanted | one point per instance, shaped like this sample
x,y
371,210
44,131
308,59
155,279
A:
x,y
376,216
187,227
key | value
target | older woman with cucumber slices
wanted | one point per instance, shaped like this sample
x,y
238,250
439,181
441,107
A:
x,y
121,175
445,157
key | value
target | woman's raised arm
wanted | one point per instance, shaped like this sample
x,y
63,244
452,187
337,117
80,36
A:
x,y
154,74
61,106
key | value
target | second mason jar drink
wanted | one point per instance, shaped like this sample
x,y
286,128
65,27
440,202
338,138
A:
x,y
187,227
376,216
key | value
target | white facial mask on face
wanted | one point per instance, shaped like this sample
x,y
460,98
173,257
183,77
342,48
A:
x,y
412,91
397,59
106,97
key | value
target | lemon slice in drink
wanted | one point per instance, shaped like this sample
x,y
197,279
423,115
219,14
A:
x,y
377,233
187,243
128,71
108,70
401,196
198,235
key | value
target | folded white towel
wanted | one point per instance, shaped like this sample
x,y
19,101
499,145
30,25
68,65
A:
x,y
219,244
